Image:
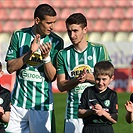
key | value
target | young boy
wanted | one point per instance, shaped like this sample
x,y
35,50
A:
x,y
99,104
5,97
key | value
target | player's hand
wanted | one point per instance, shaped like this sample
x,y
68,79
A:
x,y
35,44
82,76
1,111
98,110
45,49
129,106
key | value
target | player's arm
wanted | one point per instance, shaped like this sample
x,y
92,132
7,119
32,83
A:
x,y
15,64
66,85
82,113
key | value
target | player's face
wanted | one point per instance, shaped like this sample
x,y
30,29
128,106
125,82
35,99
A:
x,y
44,27
102,82
76,33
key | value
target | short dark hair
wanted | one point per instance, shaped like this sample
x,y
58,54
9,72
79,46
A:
x,y
77,18
44,10
104,68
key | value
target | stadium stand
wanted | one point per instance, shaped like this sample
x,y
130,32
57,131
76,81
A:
x,y
107,37
94,37
103,15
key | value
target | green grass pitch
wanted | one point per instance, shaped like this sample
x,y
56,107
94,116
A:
x,y
120,127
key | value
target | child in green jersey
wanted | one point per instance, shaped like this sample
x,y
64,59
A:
x,y
31,55
99,104
75,67
5,101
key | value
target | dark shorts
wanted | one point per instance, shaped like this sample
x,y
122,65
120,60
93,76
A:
x,y
98,129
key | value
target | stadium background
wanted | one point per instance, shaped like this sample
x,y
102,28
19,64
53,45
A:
x,y
110,22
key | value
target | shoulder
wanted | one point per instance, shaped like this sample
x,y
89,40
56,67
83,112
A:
x,y
54,35
66,49
112,92
93,44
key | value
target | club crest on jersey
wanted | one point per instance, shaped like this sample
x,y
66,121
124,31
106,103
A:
x,y
1,100
78,69
35,60
107,103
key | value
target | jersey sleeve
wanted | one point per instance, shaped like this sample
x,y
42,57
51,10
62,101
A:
x,y
104,55
84,100
131,97
12,49
114,102
60,63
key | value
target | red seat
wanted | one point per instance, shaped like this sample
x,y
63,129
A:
x,y
60,26
100,26
109,3
123,3
118,13
92,13
28,14
1,27
21,24
32,4
97,3
65,13
80,10
90,25
8,4
4,14
20,4
126,25
113,26
9,26
84,3
58,4
105,13
129,13
16,14
71,4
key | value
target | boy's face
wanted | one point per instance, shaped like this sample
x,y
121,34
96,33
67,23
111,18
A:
x,y
102,82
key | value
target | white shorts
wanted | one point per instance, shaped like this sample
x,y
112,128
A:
x,y
73,125
28,120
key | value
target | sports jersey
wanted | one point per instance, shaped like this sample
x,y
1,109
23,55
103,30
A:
x,y
131,97
107,99
5,100
32,88
71,62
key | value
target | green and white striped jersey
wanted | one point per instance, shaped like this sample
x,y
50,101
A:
x,y
71,63
32,88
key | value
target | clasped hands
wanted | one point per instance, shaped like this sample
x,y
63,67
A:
x,y
44,48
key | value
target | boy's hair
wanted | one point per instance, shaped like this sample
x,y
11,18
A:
x,y
44,10
77,18
104,68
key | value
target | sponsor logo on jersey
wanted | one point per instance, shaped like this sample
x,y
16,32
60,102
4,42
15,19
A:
x,y
107,103
35,60
31,76
80,88
78,69
1,101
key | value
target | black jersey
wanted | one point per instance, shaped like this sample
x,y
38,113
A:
x,y
131,97
107,99
5,99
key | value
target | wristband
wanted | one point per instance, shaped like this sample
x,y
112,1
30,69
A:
x,y
46,60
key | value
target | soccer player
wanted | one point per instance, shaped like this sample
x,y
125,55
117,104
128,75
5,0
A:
x,y
31,55
75,68
99,104
5,101
129,109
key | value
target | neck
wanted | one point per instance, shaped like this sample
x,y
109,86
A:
x,y
81,47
